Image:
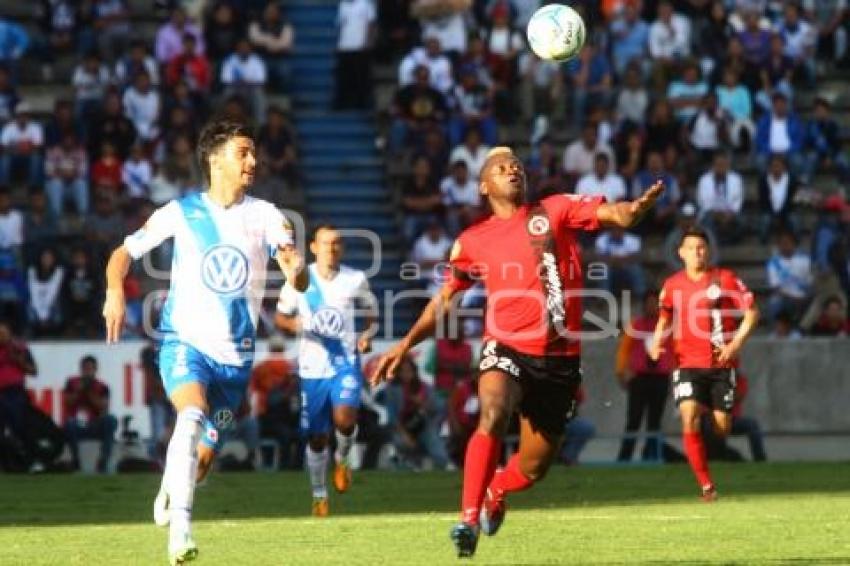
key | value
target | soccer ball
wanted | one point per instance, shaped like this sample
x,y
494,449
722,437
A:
x,y
556,32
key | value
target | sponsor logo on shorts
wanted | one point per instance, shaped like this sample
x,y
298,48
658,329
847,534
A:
x,y
212,435
501,363
223,419
346,394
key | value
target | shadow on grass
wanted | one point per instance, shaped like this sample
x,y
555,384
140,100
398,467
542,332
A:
x,y
87,500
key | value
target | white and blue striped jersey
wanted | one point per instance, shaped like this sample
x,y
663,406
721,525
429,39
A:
x,y
327,309
218,271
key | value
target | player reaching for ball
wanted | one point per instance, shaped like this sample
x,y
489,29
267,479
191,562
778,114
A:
x,y
222,242
527,255
701,302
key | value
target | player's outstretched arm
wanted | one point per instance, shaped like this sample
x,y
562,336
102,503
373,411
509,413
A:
x,y
627,214
114,307
424,327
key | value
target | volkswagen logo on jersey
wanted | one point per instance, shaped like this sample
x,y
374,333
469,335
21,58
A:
x,y
224,269
538,225
223,419
327,322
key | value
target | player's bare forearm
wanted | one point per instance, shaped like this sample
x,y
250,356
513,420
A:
x,y
289,324
424,326
747,326
661,328
627,214
117,268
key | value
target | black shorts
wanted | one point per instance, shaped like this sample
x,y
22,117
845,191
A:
x,y
714,388
549,384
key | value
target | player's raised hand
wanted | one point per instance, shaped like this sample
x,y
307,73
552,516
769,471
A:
x,y
114,311
647,200
291,262
387,364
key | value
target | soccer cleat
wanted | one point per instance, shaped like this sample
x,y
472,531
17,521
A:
x,y
161,514
709,493
492,514
465,538
321,507
342,477
182,549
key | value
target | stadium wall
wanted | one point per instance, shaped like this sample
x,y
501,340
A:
x,y
798,389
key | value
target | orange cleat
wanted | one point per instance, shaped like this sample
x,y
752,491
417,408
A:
x,y
321,507
342,477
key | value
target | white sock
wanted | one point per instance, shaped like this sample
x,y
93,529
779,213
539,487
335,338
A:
x,y
344,444
317,468
181,466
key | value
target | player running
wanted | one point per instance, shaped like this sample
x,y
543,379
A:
x,y
329,357
222,242
700,303
528,258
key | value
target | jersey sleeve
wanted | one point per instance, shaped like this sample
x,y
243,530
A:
x,y
287,302
364,295
576,212
742,298
278,230
159,227
460,276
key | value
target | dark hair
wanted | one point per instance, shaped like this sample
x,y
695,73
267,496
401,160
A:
x,y
602,156
694,232
89,359
320,227
215,134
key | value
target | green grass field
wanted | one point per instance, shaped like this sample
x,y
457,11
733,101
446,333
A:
x,y
767,514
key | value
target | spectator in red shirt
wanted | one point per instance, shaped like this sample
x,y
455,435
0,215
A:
x,y
833,321
106,171
700,303
191,67
645,380
463,411
86,401
528,256
16,363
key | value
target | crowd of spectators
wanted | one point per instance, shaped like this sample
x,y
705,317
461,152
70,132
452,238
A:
x,y
720,98
75,180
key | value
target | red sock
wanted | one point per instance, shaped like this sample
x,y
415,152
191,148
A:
x,y
695,451
509,479
482,455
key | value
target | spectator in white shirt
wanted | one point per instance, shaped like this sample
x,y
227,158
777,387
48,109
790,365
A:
x,y
439,66
430,250
137,173
633,100
67,173
137,61
142,107
356,21
244,74
708,130
460,197
444,22
669,43
11,225
44,282
22,140
800,38
472,152
789,276
603,181
90,80
720,197
580,155
620,251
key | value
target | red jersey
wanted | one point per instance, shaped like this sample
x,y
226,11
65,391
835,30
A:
x,y
531,269
87,393
705,313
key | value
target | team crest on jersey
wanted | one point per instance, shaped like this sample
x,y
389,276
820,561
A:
x,y
224,269
713,292
223,419
327,322
538,225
